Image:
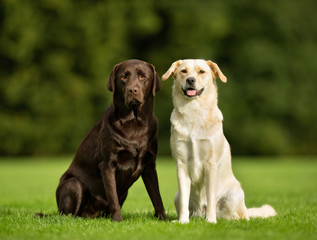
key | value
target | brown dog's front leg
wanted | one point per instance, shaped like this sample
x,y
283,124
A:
x,y
109,182
150,180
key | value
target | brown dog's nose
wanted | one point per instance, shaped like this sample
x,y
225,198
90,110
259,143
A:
x,y
134,90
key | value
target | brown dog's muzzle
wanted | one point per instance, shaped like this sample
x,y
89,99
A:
x,y
133,96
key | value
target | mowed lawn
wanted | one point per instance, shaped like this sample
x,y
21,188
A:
x,y
289,184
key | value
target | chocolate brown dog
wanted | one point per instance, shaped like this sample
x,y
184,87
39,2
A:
x,y
118,150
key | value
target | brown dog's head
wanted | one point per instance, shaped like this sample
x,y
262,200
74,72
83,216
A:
x,y
133,81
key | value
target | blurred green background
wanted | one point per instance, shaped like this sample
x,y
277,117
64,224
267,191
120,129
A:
x,y
56,56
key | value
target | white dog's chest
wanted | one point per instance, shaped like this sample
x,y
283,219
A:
x,y
194,143
193,154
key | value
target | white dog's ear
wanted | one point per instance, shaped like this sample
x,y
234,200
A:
x,y
216,70
171,70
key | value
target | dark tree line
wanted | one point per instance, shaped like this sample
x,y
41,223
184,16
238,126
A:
x,y
56,56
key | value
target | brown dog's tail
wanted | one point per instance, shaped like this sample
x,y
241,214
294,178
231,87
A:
x,y
263,212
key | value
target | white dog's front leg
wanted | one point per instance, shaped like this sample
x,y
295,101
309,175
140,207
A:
x,y
184,192
210,183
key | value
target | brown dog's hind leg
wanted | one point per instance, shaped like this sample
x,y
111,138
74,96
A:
x,y
69,196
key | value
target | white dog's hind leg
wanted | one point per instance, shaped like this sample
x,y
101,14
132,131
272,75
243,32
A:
x,y
237,207
231,205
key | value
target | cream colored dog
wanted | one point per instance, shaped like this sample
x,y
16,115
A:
x,y
207,186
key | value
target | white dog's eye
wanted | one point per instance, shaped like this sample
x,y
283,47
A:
x,y
201,72
184,71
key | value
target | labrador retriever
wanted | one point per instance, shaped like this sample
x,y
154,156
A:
x,y
118,150
207,186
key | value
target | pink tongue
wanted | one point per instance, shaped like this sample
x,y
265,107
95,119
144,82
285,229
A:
x,y
191,92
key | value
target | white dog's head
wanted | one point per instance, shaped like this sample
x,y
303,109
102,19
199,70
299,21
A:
x,y
193,77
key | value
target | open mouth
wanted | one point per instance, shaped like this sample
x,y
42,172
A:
x,y
191,92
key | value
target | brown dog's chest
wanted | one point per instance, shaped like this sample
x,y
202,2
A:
x,y
127,159
130,165
130,157
128,145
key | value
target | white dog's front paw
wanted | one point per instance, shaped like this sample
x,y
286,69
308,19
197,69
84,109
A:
x,y
211,220
183,220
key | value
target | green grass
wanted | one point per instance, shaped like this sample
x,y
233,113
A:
x,y
290,185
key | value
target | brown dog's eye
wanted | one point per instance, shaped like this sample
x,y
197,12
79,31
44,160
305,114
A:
x,y
124,77
184,71
141,75
201,72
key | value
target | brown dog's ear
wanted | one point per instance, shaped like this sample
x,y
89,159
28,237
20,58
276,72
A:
x,y
111,82
216,70
156,81
171,70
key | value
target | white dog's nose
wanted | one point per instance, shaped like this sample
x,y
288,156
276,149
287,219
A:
x,y
190,80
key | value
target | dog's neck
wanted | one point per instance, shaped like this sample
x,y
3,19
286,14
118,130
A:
x,y
140,114
205,106
206,112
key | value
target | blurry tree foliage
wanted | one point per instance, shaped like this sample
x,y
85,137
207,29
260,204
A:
x,y
56,57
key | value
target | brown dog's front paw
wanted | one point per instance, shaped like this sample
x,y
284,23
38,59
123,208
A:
x,y
116,217
161,216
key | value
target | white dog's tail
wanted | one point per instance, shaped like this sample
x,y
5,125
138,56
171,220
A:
x,y
263,212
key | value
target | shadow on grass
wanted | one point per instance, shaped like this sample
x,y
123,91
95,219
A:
x,y
127,216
